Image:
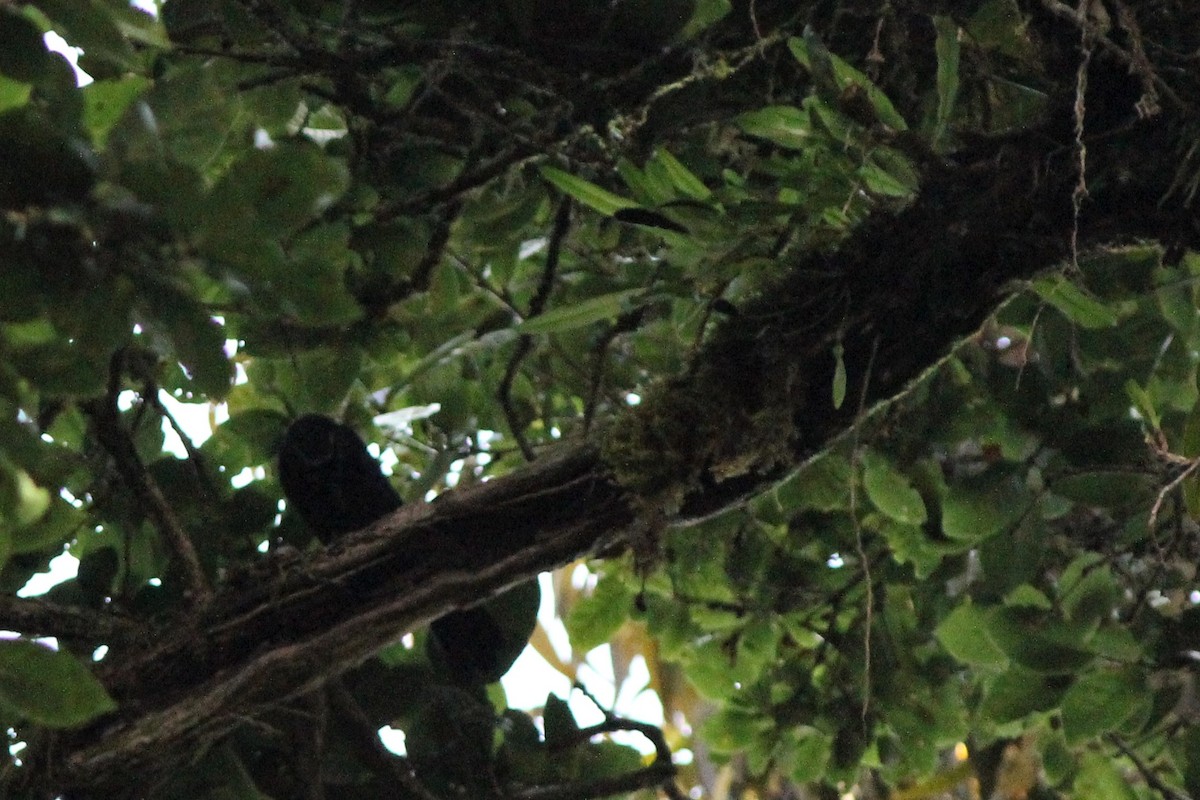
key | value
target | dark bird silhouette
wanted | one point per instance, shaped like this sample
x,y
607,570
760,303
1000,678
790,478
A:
x,y
331,480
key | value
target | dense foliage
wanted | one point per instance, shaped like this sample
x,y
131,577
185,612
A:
x,y
838,360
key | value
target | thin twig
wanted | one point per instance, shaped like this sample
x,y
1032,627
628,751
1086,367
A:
x,y
1192,465
660,773
367,745
1066,12
106,418
1152,780
465,182
860,548
625,323
562,222
515,426
195,457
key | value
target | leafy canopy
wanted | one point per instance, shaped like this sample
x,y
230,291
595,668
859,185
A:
x,y
479,232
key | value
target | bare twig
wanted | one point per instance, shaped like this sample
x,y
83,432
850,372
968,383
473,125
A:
x,y
1092,28
625,323
368,747
465,182
437,245
106,419
515,426
195,458
1152,780
859,546
562,223
1165,491
660,773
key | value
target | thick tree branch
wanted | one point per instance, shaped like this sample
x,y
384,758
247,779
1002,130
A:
x,y
35,617
277,636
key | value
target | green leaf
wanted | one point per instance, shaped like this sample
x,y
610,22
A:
x,y
197,339
1116,490
589,194
139,26
698,550
1144,404
962,634
947,47
309,286
595,618
1099,779
104,102
187,117
1036,641
577,315
710,670
1092,598
47,687
1028,597
909,545
1076,304
707,12
845,75
880,182
607,759
682,178
1000,25
672,625
645,186
1177,306
13,94
730,730
822,484
32,501
316,380
515,615
1016,692
756,648
272,193
891,491
91,26
59,369
974,513
43,164
55,527
834,123
559,722
23,55
1100,701
839,376
1117,645
809,754
786,126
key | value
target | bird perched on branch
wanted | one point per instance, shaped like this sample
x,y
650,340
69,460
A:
x,y
331,480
